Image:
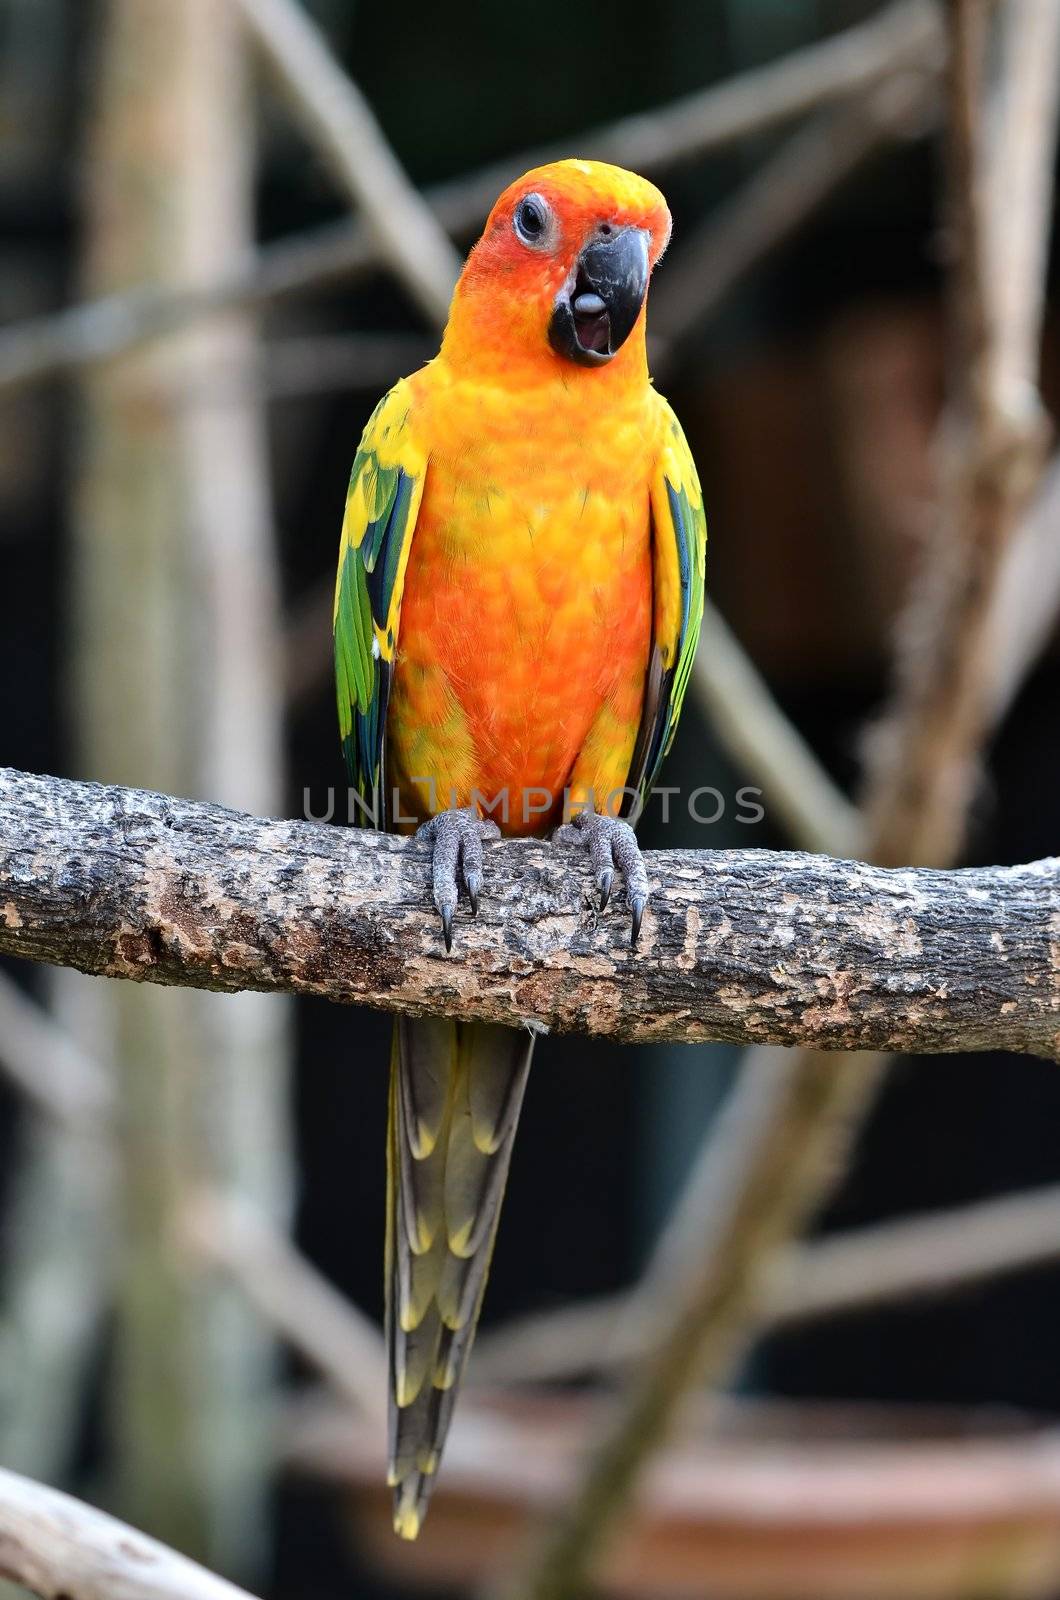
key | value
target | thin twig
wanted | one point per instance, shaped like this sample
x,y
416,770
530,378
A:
x,y
342,1343
47,1065
776,1144
653,141
939,1253
936,1254
923,759
1020,136
762,742
1027,598
341,125
785,190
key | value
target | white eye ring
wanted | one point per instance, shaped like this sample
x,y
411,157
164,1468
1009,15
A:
x,y
532,221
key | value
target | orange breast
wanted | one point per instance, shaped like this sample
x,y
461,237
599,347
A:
x,y
526,618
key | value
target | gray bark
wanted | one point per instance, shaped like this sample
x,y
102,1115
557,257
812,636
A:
x,y
742,945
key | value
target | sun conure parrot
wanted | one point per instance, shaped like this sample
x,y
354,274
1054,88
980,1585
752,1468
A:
x,y
518,601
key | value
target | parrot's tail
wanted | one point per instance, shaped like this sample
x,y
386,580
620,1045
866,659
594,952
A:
x,y
455,1094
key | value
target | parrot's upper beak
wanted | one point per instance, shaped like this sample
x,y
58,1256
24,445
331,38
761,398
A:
x,y
594,313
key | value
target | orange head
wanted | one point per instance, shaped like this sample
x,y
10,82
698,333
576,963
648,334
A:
x,y
558,281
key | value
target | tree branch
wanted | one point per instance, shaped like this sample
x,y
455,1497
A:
x,y
341,125
846,65
761,740
785,1134
807,169
923,759
47,1064
292,1297
61,1549
739,945
938,1253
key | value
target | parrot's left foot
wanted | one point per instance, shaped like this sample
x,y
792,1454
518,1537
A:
x,y
456,840
612,843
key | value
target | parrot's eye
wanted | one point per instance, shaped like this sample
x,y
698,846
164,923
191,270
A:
x,y
532,217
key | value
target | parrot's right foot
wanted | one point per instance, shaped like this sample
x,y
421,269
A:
x,y
456,839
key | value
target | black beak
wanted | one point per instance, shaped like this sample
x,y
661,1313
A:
x,y
596,309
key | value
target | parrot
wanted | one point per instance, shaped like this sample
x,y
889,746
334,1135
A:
x,y
518,601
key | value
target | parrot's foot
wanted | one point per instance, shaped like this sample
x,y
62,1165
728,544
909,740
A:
x,y
612,843
456,840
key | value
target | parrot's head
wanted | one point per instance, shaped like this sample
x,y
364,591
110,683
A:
x,y
560,274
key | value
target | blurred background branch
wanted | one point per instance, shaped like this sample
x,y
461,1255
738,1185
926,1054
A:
x,y
54,1545
939,1253
896,41
794,323
341,126
924,758
172,617
788,1128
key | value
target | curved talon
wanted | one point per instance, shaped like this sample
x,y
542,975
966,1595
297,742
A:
x,y
456,861
612,845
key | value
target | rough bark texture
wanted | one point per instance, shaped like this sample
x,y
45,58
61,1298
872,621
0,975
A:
x,y
739,945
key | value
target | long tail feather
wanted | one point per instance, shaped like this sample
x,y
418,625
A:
x,y
455,1094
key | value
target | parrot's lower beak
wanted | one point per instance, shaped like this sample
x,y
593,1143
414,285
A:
x,y
594,313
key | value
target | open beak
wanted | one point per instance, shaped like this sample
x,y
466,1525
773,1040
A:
x,y
594,313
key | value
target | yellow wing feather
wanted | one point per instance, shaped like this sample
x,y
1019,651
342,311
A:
x,y
382,504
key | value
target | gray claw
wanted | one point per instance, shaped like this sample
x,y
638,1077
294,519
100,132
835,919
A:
x,y
456,860
612,845
637,903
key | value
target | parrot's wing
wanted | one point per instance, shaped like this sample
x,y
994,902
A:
x,y
382,503
679,549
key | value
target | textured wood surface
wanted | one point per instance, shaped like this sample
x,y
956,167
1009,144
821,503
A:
x,y
742,945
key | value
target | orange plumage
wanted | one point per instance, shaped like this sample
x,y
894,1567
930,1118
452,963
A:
x,y
527,612
517,606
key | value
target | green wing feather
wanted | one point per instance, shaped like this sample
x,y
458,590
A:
x,y
455,1089
382,503
679,553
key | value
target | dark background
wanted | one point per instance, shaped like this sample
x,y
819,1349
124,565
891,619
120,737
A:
x,y
828,342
